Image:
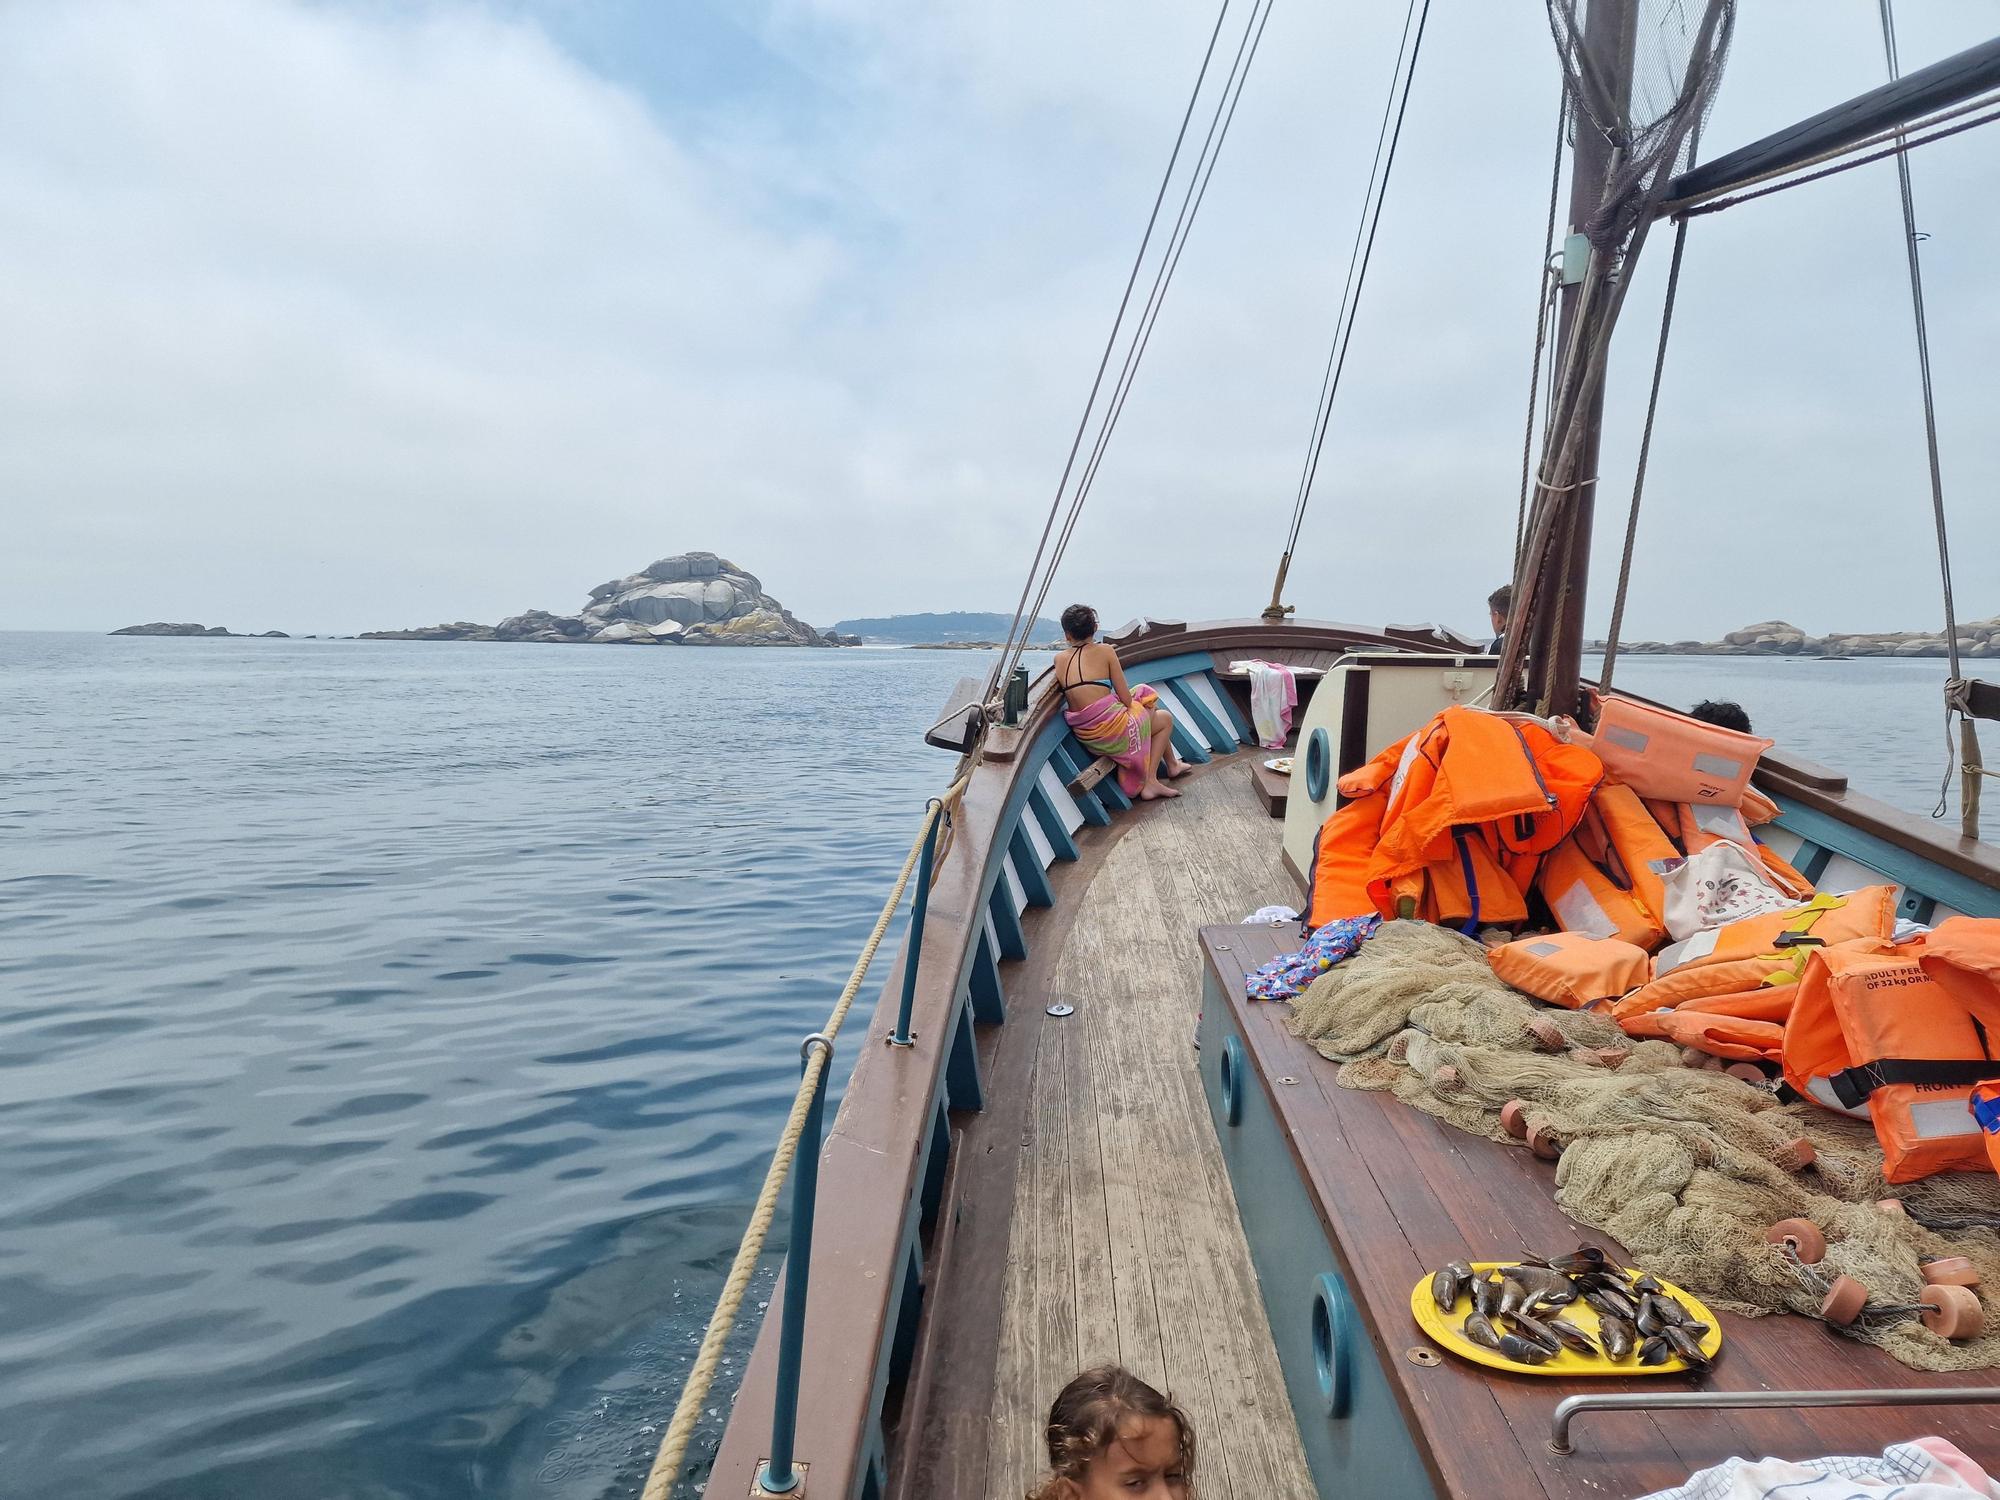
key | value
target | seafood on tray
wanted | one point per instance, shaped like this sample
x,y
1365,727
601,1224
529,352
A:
x,y
1575,1314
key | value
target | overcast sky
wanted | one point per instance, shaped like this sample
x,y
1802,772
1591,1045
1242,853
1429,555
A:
x,y
338,316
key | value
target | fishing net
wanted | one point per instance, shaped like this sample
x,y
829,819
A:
x,y
1676,52
1685,1167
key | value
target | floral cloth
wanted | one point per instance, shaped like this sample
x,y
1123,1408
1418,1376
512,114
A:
x,y
1283,978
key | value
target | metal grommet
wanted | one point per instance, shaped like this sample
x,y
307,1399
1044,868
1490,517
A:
x,y
817,1039
1288,1080
1059,1009
1419,1355
1319,765
1222,947
1232,1080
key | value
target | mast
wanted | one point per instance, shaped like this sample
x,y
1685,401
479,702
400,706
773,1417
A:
x,y
1610,30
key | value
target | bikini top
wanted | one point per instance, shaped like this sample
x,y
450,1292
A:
x,y
1076,655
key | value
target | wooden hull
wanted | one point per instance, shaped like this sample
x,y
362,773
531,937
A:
x,y
919,1172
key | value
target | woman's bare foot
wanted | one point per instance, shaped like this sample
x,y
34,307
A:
x,y
1156,793
1177,769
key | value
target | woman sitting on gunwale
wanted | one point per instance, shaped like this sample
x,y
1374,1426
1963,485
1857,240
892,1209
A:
x,y
1110,718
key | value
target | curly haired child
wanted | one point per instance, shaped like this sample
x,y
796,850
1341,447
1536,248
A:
x,y
1111,1436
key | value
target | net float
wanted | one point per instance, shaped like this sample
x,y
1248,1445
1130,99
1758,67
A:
x,y
1795,1155
1544,1033
1949,1270
1544,1142
1514,1119
1800,1236
1748,1072
1952,1312
1844,1301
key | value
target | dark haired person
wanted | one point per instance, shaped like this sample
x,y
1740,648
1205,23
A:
x,y
1110,718
1722,715
1499,604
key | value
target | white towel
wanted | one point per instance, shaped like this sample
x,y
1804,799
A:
x,y
1274,693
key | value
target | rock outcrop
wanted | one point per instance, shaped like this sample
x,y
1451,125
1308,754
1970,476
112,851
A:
x,y
1977,640
693,599
162,627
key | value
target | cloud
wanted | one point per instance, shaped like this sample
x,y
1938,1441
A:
x,y
345,316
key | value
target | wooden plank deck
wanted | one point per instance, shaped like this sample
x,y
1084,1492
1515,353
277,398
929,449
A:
x,y
1124,1242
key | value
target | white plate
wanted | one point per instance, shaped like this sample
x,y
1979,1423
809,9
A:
x,y
1281,764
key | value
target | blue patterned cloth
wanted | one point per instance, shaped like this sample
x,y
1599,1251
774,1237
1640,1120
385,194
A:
x,y
1283,978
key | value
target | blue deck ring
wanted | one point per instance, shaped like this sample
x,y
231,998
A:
x,y
1319,765
1232,1080
1332,1338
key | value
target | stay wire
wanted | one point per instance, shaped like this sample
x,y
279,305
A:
x,y
1320,403
1645,452
1012,649
1345,336
1191,201
1545,296
1909,204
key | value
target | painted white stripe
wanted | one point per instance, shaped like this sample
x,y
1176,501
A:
x,y
1783,841
1032,826
1060,799
1843,875
1014,891
1203,689
992,937
1170,701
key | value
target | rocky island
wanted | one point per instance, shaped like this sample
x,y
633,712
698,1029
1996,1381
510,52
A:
x,y
162,627
1976,639
691,599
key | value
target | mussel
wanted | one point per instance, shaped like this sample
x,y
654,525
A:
x,y
1486,1296
1536,1331
1584,1259
1522,1351
1542,1281
1655,1351
1513,1296
1687,1346
1448,1284
1651,1321
1644,1282
1618,1336
1479,1328
1610,1303
1573,1338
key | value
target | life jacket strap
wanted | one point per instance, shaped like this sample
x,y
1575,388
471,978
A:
x,y
1853,1086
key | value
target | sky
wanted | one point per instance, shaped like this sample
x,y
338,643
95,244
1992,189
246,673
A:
x,y
364,314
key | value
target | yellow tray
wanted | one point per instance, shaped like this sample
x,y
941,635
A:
x,y
1443,1329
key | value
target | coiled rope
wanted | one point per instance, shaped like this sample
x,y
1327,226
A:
x,y
673,1445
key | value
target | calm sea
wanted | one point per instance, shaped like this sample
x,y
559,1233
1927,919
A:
x,y
391,1035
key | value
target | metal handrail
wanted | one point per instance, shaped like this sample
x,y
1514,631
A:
x,y
804,1120
779,1476
1571,1407
902,1036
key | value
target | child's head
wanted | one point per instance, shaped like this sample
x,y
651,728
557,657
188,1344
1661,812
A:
x,y
1113,1437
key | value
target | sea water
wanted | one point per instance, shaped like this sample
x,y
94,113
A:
x,y
392,1035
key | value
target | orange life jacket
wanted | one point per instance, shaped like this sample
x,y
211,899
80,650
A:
x,y
1900,1033
1659,753
1569,969
1587,899
1452,813
1826,919
1751,987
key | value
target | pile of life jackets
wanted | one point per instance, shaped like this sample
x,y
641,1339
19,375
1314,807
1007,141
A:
x,y
1462,821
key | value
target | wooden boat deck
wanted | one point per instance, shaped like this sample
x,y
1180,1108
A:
x,y
1125,1242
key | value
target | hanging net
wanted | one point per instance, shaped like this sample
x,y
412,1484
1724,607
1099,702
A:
x,y
1686,1168
1676,50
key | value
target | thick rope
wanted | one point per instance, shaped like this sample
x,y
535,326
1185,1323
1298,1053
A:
x,y
1645,452
1544,296
673,1445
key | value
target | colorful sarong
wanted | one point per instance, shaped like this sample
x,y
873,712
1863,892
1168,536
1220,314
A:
x,y
1108,727
1284,978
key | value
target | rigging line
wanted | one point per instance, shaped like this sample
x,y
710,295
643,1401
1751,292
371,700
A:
x,y
1923,355
1902,141
1354,251
1110,343
1645,452
1545,297
1199,180
1360,280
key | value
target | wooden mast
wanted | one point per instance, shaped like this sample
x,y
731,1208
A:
x,y
1555,627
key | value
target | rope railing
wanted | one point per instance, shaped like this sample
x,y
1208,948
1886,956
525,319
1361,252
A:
x,y
701,1376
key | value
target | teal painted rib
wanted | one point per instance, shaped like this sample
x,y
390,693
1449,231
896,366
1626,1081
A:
x,y
1052,824
1890,861
961,1069
1185,742
1219,739
1246,734
1006,922
1065,757
984,991
1168,667
1028,868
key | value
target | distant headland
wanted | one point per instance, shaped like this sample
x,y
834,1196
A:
x,y
968,629
162,627
690,599
1976,638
